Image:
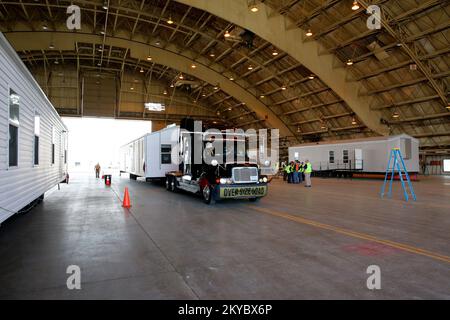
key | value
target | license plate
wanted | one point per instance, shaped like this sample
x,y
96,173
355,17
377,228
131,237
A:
x,y
243,192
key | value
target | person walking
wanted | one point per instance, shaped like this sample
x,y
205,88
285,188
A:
x,y
97,170
308,172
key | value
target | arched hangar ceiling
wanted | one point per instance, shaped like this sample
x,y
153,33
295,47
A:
x,y
302,85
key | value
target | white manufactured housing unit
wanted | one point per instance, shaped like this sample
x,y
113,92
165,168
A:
x,y
33,138
152,155
369,155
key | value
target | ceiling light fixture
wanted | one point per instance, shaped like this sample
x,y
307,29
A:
x,y
149,58
448,106
349,62
193,66
172,85
165,92
170,21
355,5
262,96
227,34
132,88
142,70
250,67
395,115
252,5
354,121
231,79
283,87
212,54
56,61
274,53
311,77
105,5
309,33
181,77
44,27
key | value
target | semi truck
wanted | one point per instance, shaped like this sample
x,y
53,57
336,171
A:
x,y
187,157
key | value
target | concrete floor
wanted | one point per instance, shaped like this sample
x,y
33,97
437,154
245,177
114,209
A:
x,y
297,243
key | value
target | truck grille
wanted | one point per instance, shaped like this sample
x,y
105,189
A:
x,y
245,174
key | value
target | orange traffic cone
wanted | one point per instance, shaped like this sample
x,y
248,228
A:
x,y
126,199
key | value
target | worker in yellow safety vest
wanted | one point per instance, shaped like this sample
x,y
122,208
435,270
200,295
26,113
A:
x,y
308,172
301,172
290,170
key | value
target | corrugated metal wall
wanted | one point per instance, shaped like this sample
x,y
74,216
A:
x,y
22,184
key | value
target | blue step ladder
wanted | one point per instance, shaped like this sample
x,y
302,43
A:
x,y
398,164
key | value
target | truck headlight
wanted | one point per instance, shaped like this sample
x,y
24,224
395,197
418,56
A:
x,y
229,181
260,180
223,180
264,179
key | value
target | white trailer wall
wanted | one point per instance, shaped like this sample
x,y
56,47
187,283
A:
x,y
375,153
25,182
151,149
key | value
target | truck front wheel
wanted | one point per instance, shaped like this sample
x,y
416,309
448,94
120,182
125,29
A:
x,y
207,194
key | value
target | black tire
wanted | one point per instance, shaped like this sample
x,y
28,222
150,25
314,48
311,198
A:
x,y
168,183
207,194
173,184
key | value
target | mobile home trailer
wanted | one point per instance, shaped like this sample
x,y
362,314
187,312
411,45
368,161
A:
x,y
33,138
151,156
360,155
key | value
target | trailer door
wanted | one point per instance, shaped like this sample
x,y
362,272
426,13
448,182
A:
x,y
358,159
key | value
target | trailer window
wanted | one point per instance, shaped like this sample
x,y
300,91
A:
x,y
13,129
53,144
37,130
331,156
345,156
166,154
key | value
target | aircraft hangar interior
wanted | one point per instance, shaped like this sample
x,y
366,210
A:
x,y
262,150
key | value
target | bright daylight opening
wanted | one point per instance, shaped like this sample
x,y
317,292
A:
x,y
447,165
95,140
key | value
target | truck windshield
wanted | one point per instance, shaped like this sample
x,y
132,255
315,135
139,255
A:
x,y
235,148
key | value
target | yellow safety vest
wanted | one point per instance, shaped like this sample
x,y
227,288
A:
x,y
308,168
